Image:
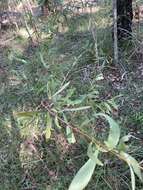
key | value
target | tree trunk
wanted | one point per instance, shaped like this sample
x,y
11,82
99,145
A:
x,y
125,16
115,32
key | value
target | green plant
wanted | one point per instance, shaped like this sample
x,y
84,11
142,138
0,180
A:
x,y
111,145
58,119
57,109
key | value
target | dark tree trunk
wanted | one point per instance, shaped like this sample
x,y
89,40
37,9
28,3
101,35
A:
x,y
125,16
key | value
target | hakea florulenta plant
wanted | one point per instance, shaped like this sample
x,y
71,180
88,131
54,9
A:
x,y
114,143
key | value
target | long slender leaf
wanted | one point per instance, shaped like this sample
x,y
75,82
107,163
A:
x,y
27,114
133,163
61,89
76,109
70,135
114,133
49,127
43,62
133,181
57,122
83,176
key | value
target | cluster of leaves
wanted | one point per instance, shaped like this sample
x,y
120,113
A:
x,y
115,145
55,110
62,109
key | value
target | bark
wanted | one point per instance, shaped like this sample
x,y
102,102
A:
x,y
125,16
115,32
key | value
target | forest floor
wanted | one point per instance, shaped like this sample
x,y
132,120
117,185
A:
x,y
23,74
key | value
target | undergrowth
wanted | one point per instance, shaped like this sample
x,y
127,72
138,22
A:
x,y
51,92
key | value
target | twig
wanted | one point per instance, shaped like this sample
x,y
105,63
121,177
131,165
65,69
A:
x,y
88,138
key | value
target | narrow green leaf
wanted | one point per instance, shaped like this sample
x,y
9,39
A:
x,y
113,103
26,114
49,127
43,62
133,163
57,122
114,133
70,135
107,107
76,101
48,133
86,122
21,60
49,93
76,109
83,176
61,89
132,178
